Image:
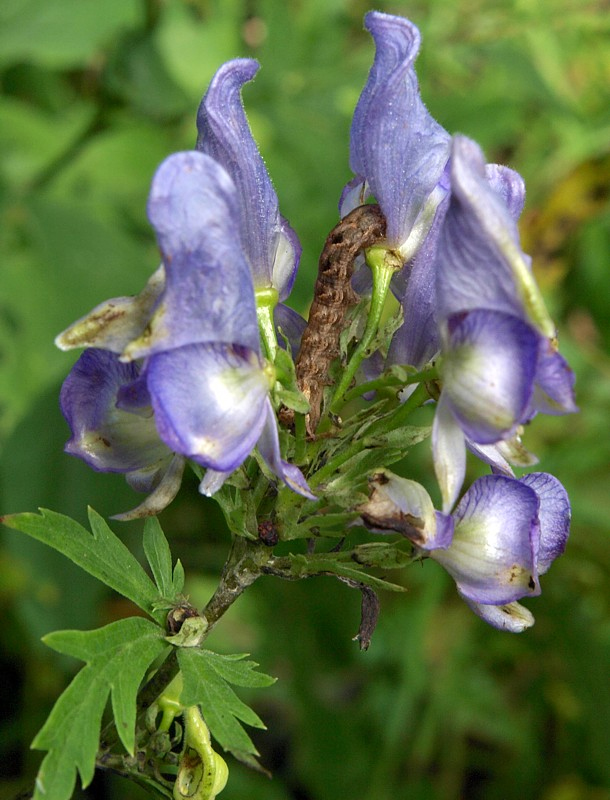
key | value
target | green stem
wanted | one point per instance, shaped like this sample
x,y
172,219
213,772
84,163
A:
x,y
300,443
398,417
333,465
266,300
388,381
383,264
243,567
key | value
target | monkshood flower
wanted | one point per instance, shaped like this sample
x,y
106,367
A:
x,y
199,347
400,155
113,428
502,536
499,362
398,152
271,247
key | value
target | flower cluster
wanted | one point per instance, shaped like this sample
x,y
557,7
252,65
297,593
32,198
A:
x,y
472,307
178,372
185,370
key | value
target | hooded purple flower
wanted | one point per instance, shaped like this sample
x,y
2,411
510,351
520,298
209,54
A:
x,y
398,151
502,536
202,371
193,331
271,246
499,362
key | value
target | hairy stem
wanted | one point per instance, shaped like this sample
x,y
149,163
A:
x,y
242,568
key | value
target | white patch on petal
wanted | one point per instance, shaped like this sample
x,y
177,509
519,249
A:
x,y
449,452
512,617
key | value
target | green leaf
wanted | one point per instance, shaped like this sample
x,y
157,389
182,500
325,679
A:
x,y
117,657
404,437
178,577
159,557
379,450
237,671
238,510
102,555
285,370
302,566
206,678
295,400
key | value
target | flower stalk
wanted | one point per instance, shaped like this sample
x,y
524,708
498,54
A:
x,y
383,264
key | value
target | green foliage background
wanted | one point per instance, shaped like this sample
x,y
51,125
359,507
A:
x,y
94,96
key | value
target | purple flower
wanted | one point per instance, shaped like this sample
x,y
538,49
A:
x,y
271,247
502,536
398,151
202,367
113,428
228,255
499,363
467,290
208,383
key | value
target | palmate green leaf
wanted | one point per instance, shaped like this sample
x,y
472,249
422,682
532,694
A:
x,y
117,657
102,554
206,681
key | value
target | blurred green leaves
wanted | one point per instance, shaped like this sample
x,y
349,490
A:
x,y
64,34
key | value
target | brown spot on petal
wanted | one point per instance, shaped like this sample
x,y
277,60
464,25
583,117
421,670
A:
x,y
405,524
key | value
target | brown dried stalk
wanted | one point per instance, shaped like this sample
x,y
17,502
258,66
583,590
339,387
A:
x,y
333,295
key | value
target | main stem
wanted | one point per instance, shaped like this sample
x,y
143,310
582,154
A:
x,y
243,566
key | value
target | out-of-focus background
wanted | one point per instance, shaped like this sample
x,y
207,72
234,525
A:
x,y
93,96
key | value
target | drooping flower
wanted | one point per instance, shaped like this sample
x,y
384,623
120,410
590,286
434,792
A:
x,y
499,363
201,361
113,431
502,536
